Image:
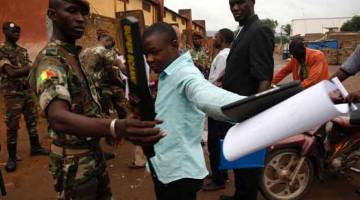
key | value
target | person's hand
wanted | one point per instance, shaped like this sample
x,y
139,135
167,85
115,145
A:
x,y
353,97
336,97
138,132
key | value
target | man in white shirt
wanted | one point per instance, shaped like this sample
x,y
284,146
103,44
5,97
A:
x,y
223,40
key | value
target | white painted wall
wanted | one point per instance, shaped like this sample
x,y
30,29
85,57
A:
x,y
316,25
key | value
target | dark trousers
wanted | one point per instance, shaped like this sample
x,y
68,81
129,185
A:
x,y
247,183
246,180
183,189
215,134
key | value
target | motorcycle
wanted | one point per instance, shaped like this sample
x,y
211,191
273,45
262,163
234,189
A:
x,y
292,164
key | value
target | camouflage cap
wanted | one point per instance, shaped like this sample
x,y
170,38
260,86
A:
x,y
83,3
11,26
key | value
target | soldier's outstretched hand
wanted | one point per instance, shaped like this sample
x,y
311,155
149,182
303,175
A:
x,y
140,133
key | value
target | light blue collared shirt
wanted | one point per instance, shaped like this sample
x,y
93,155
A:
x,y
183,97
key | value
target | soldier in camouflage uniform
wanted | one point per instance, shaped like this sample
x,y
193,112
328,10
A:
x,y
99,62
19,99
70,102
200,55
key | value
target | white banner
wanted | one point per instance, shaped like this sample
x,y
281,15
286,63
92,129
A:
x,y
302,112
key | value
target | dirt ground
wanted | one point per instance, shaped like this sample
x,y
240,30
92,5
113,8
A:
x,y
32,181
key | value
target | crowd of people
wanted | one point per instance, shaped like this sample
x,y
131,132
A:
x,y
83,94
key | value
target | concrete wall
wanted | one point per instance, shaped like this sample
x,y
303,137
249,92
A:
x,y
103,7
31,16
304,26
98,22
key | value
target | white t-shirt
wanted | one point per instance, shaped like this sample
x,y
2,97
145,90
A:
x,y
218,65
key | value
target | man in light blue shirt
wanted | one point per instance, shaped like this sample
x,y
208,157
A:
x,y
183,98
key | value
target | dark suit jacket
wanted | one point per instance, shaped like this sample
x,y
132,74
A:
x,y
250,60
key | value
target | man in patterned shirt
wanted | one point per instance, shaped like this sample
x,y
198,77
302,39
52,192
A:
x,y
200,54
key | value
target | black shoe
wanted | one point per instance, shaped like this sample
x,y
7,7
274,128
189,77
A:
x,y
223,197
10,165
11,162
36,149
108,156
39,151
212,186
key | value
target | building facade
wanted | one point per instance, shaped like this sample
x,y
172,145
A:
x,y
317,25
31,16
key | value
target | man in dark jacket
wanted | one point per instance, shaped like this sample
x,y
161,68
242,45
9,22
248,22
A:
x,y
249,70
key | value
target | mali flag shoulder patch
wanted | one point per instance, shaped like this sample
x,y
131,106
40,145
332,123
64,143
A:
x,y
46,75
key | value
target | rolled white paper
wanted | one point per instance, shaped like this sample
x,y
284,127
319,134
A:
x,y
293,116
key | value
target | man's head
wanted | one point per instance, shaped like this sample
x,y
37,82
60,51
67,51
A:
x,y
242,9
197,40
223,38
11,31
105,38
69,17
160,46
297,49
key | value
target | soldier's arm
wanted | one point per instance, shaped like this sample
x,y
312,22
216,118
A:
x,y
14,72
62,120
55,100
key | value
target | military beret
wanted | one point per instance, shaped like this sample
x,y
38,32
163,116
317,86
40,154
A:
x,y
83,3
11,26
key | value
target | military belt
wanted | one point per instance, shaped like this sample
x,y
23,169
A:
x,y
70,152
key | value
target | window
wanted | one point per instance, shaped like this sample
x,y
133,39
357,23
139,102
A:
x,y
173,17
146,6
183,22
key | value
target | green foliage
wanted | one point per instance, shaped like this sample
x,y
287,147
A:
x,y
272,24
287,29
352,25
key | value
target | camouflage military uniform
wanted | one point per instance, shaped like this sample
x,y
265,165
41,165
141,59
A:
x,y
19,98
201,57
58,75
98,62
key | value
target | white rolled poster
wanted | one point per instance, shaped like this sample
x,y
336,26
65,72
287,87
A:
x,y
298,114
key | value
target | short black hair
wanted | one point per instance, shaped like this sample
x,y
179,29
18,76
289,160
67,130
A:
x,y
296,44
161,27
227,34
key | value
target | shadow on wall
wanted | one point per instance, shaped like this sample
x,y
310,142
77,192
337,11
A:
x,y
31,17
